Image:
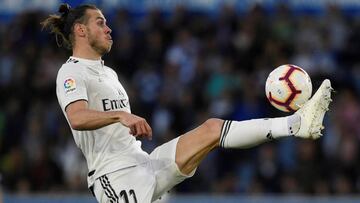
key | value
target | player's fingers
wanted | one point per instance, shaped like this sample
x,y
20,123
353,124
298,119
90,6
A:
x,y
132,129
139,131
145,127
148,130
143,130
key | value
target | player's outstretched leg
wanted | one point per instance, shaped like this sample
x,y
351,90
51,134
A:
x,y
312,113
193,146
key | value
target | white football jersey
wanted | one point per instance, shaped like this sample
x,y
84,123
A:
x,y
109,148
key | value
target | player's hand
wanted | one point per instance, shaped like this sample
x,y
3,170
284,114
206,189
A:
x,y
138,126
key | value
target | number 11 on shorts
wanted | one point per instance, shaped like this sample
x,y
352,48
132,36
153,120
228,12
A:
x,y
124,195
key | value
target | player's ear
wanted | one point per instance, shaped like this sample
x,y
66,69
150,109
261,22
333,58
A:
x,y
80,30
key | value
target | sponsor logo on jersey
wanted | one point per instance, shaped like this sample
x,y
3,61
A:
x,y
112,104
69,85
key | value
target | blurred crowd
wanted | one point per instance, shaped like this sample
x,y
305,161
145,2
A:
x,y
179,69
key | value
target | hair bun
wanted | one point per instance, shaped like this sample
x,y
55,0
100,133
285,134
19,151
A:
x,y
64,9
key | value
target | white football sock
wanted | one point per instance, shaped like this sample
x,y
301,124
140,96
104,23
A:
x,y
245,134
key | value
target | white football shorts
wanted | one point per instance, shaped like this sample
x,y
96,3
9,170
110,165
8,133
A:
x,y
142,183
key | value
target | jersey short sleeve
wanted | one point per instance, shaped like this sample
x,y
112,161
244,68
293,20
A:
x,y
70,85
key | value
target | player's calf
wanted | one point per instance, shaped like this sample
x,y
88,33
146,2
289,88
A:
x,y
193,146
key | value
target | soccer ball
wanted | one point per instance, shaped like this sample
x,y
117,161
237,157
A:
x,y
288,87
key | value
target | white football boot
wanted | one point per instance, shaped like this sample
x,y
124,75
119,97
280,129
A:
x,y
313,111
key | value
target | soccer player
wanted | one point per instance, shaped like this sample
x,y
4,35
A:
x,y
97,109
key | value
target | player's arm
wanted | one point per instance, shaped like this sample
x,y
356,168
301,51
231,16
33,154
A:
x,y
83,118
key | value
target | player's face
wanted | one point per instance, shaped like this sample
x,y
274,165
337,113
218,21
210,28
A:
x,y
99,37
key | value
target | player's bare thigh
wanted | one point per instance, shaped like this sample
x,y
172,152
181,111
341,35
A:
x,y
194,145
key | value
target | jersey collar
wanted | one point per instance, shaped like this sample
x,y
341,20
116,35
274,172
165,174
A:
x,y
89,62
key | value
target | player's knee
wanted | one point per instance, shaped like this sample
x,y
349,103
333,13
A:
x,y
213,126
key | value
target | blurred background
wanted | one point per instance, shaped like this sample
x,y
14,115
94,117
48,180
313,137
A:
x,y
181,63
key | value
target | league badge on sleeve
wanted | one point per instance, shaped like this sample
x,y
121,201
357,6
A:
x,y
69,85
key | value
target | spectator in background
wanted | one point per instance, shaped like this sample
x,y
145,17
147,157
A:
x,y
1,190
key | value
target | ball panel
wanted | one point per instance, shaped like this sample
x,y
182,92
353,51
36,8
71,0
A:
x,y
280,104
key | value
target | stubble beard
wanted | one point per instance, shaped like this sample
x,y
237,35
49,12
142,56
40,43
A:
x,y
99,47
